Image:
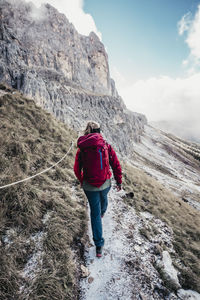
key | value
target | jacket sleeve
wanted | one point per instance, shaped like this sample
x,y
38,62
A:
x,y
78,166
115,165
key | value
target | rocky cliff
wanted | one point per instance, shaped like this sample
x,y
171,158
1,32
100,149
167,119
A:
x,y
44,57
47,59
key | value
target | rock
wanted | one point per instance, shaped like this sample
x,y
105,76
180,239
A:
x,y
137,248
79,58
168,272
142,297
142,250
188,295
157,249
185,200
64,72
130,195
90,279
90,245
85,271
139,242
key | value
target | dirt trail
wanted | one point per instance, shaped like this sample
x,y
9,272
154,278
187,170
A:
x,y
126,269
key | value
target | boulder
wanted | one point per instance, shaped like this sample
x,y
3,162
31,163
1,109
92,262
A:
x,y
167,271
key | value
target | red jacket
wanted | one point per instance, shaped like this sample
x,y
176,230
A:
x,y
91,140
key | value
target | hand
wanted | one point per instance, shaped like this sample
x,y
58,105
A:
x,y
119,187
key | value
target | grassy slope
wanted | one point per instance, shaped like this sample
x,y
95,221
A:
x,y
151,196
32,140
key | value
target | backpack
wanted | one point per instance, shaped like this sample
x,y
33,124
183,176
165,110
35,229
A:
x,y
95,162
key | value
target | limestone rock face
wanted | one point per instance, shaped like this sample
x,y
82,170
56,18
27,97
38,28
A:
x,y
43,56
44,38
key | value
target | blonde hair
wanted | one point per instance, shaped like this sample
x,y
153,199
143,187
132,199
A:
x,y
91,125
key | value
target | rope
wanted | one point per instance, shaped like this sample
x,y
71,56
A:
x,y
42,172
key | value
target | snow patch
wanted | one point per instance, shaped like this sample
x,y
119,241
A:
x,y
169,272
35,261
9,236
188,295
34,264
111,279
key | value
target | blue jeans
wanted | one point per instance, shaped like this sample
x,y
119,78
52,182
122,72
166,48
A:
x,y
98,202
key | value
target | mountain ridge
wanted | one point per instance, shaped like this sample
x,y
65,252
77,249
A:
x,y
57,82
182,129
65,72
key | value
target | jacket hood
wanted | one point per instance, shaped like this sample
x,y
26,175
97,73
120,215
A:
x,y
90,140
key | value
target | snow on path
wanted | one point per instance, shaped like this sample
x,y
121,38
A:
x,y
125,270
111,278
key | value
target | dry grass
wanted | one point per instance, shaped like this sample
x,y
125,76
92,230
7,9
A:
x,y
30,141
153,197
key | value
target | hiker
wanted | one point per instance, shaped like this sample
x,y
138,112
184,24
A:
x,y
92,169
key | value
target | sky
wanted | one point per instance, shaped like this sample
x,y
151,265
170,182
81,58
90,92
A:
x,y
140,35
154,52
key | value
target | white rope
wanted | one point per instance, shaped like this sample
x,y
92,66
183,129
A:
x,y
42,172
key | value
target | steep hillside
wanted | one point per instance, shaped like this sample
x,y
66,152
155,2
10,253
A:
x,y
64,72
146,194
183,129
163,178
43,220
172,161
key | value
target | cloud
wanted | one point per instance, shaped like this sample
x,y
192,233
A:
x,y
73,9
191,28
174,100
166,99
119,78
193,39
185,23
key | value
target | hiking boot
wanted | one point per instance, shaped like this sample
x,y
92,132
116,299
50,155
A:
x,y
99,251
